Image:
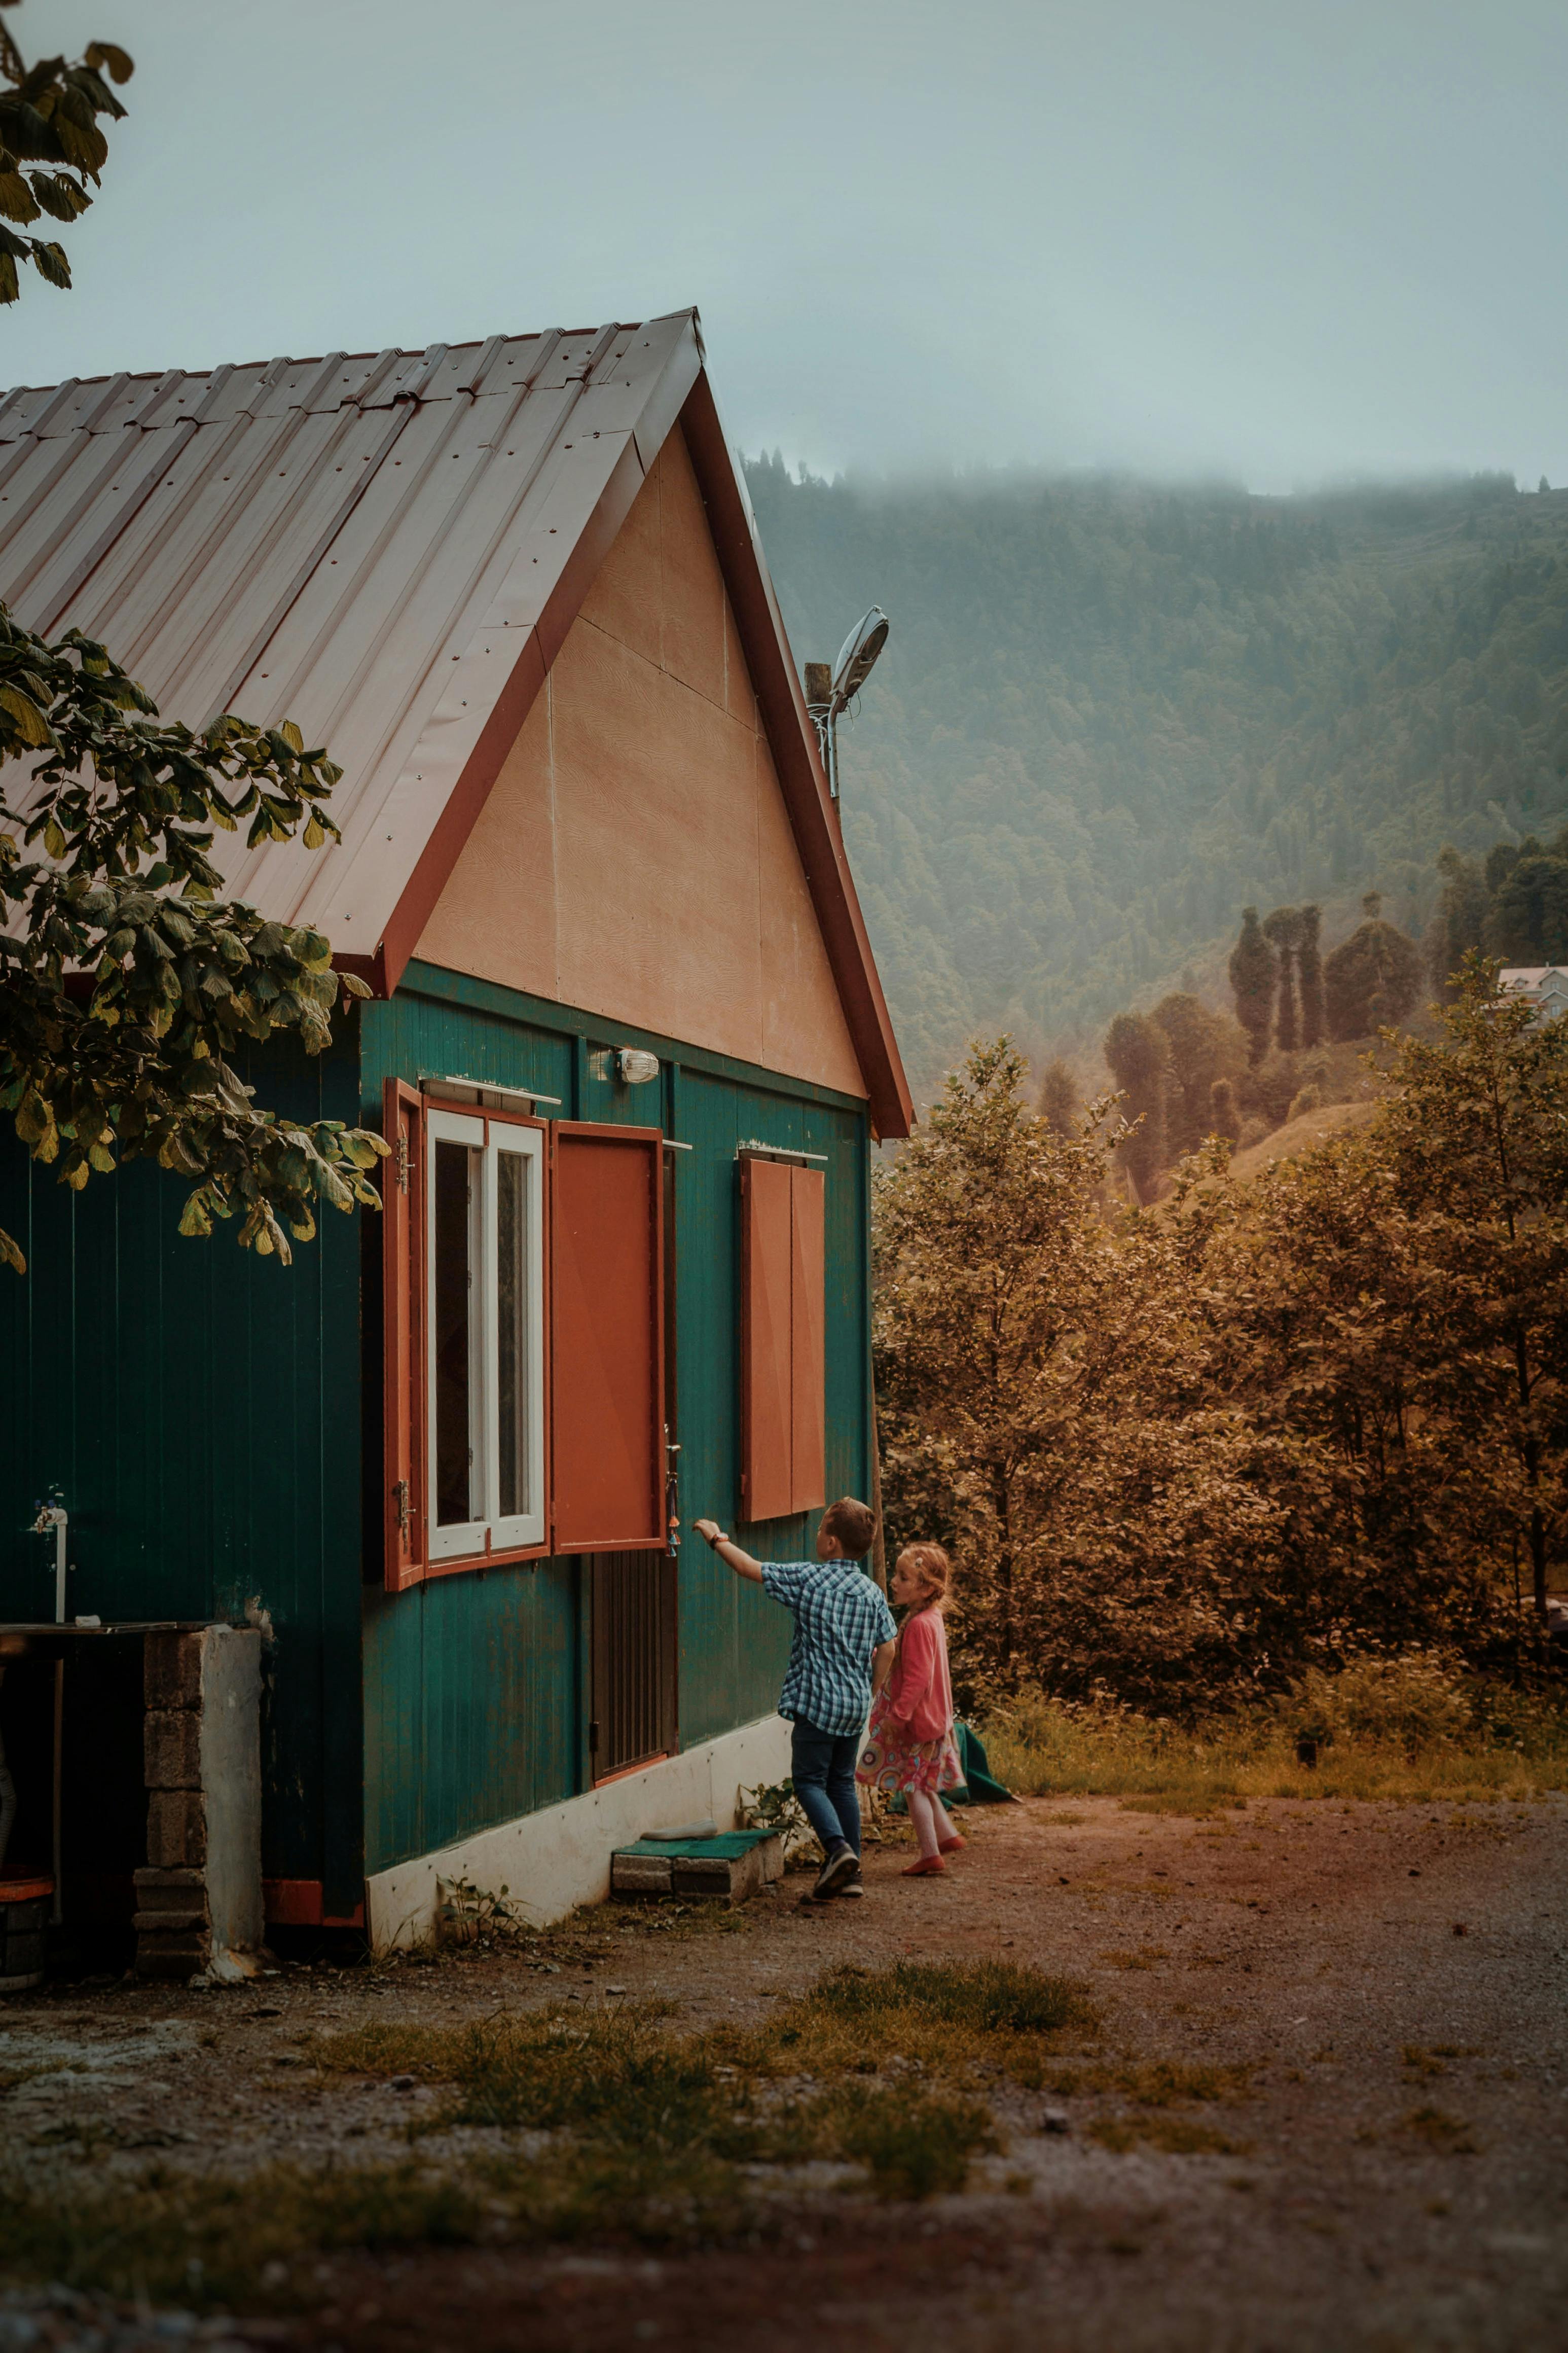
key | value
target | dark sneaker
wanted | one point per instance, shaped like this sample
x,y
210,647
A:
x,y
856,1886
842,1864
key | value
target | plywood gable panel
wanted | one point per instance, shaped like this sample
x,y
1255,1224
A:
x,y
635,855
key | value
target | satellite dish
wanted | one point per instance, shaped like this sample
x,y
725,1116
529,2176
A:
x,y
858,655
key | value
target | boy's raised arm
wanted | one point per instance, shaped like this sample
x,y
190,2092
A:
x,y
741,1562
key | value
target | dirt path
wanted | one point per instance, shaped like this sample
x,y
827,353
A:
x,y
1392,2173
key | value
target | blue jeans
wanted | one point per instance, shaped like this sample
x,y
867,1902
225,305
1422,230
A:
x,y
822,1766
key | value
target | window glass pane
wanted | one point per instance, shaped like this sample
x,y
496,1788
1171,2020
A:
x,y
511,1336
452,1312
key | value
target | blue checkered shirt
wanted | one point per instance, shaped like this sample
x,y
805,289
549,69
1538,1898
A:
x,y
840,1617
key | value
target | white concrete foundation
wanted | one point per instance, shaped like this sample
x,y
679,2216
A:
x,y
560,1857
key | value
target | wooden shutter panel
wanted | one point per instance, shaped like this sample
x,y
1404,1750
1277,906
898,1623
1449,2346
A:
x,y
402,1336
606,1337
766,1388
807,1193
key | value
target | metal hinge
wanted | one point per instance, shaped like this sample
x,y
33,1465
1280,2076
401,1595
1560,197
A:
x,y
594,1738
401,1157
404,1511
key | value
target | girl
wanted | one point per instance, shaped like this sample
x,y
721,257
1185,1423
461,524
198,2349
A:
x,y
908,1741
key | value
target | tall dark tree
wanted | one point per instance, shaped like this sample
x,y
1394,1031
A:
x,y
1527,921
1059,1099
1372,980
1310,977
1282,929
1136,1052
1252,979
1224,1112
1458,923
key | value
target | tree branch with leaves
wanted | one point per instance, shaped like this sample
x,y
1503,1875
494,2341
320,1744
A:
x,y
127,985
48,116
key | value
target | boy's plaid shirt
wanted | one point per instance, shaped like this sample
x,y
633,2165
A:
x,y
840,1617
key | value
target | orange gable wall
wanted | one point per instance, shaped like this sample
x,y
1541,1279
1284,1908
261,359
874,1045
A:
x,y
635,855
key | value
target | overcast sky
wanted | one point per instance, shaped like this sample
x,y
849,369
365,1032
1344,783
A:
x,y
1280,241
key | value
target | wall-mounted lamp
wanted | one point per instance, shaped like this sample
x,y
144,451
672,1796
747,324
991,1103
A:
x,y
634,1068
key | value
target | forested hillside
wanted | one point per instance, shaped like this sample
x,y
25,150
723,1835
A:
x,y
1110,714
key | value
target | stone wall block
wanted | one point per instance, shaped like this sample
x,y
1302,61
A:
x,y
171,1748
172,1670
176,1829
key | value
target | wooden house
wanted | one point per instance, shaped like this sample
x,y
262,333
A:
x,y
629,1045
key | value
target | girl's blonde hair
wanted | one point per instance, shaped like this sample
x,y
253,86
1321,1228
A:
x,y
932,1565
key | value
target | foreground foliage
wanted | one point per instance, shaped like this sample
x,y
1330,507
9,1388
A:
x,y
1188,1455
128,987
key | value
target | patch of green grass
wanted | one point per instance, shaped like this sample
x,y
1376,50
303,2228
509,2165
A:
x,y
207,2239
1156,2083
949,2017
913,2142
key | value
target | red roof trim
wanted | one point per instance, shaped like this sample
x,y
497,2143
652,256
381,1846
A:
x,y
792,739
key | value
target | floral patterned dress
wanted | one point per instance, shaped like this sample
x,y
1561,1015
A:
x,y
908,1741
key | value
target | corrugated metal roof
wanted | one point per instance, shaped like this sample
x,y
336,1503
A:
x,y
389,548
363,543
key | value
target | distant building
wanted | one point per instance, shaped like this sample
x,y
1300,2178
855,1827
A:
x,y
1545,984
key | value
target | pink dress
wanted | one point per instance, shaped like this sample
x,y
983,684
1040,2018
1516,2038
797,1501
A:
x,y
908,1741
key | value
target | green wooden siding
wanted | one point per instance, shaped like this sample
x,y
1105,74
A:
x,y
199,1410
213,1421
475,1684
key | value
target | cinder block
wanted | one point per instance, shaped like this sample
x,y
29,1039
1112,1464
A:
x,y
183,1921
640,1874
180,1880
171,1748
715,1876
172,1670
176,1829
173,1953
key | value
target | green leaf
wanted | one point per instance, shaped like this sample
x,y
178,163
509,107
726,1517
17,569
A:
x,y
119,64
291,736
26,719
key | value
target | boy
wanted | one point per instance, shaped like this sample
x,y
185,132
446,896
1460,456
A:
x,y
842,1654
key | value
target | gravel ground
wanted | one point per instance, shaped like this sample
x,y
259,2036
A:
x,y
1397,2175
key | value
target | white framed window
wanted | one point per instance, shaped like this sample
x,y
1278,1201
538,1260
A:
x,y
484,1256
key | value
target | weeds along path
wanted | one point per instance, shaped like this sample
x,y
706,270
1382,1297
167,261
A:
x,y
1284,2076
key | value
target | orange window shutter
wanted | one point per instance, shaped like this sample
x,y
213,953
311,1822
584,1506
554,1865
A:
x,y
807,1277
767,1484
402,1336
606,1337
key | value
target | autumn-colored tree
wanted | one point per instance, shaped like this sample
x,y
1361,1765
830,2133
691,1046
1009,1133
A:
x,y
1039,1382
1183,1455
1135,1054
1310,977
1252,979
1475,1132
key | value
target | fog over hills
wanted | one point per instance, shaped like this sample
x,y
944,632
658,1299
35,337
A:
x,y
1113,713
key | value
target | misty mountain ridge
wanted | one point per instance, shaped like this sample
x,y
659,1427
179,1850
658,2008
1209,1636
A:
x,y
1112,713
